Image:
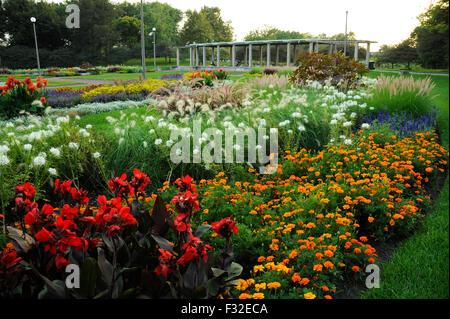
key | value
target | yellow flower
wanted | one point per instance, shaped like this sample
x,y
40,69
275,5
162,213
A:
x,y
309,295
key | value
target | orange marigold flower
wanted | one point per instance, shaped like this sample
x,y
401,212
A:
x,y
244,296
370,219
258,295
304,281
328,264
275,284
318,267
355,268
293,254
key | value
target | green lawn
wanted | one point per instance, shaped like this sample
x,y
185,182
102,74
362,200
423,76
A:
x,y
419,267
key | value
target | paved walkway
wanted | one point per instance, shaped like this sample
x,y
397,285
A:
x,y
387,71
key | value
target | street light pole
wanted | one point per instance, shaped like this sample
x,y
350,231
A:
x,y
154,47
345,41
143,42
33,20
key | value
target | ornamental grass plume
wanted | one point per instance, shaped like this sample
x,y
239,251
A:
x,y
402,94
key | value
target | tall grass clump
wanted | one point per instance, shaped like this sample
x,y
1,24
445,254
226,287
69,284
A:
x,y
271,81
402,95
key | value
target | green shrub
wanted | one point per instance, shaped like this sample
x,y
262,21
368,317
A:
x,y
320,67
255,71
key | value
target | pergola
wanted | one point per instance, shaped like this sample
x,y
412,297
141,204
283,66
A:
x,y
249,45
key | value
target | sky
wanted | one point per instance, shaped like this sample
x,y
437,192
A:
x,y
385,21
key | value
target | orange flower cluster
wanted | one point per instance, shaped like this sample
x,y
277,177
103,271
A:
x,y
316,227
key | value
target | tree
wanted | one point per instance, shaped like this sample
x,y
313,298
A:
x,y
223,31
385,55
431,37
272,33
94,37
197,28
16,28
405,52
128,29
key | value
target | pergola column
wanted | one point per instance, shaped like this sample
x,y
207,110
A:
x,y
233,56
277,57
250,55
268,54
197,57
295,53
204,57
260,55
191,59
316,47
288,55
245,55
356,51
311,47
335,48
368,54
178,57
218,55
330,49
212,55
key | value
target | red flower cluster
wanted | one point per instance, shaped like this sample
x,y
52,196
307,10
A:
x,y
167,263
185,184
225,227
185,203
111,217
9,262
122,188
24,196
12,83
79,196
140,181
194,249
58,233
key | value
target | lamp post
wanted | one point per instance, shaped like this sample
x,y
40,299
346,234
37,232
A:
x,y
345,41
33,20
154,46
143,42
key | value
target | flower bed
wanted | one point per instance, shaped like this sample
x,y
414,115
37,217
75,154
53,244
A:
x,y
349,177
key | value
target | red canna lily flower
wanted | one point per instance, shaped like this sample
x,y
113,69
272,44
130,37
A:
x,y
225,227
44,235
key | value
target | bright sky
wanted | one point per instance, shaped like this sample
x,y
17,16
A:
x,y
384,21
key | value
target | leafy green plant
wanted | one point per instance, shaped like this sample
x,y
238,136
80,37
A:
x,y
320,67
